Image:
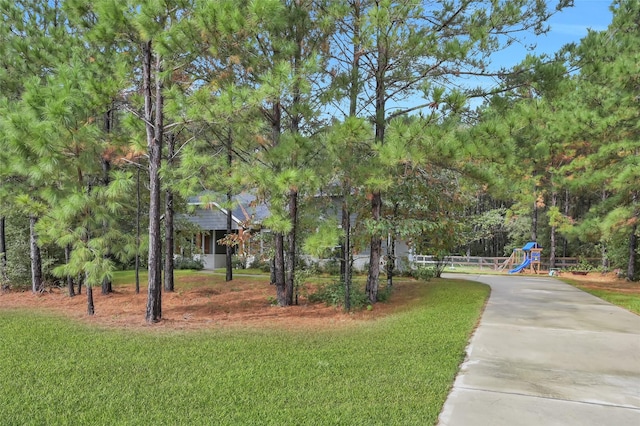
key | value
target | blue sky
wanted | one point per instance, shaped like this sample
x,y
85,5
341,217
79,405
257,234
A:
x,y
572,23
567,26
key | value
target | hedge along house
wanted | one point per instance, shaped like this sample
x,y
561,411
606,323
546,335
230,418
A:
x,y
210,218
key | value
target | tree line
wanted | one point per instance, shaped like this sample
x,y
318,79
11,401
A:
x,y
112,113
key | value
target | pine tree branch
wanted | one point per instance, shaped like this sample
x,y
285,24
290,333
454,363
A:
x,y
138,115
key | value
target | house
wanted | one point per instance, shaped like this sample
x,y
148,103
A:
x,y
211,219
246,218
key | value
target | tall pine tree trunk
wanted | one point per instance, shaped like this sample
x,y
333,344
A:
x,y
293,196
290,259
633,248
391,251
376,251
553,243
107,285
36,259
391,259
106,169
70,284
354,89
229,249
633,243
376,197
279,269
90,306
534,219
565,242
137,261
343,251
154,130
603,248
169,228
3,251
346,251
278,257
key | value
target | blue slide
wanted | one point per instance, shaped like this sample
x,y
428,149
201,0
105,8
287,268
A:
x,y
520,267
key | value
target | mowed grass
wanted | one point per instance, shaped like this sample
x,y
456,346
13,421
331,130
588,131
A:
x,y
626,296
396,370
629,301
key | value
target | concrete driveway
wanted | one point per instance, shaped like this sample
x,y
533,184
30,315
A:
x,y
546,353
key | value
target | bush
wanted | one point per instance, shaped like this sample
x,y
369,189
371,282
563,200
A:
x,y
384,294
312,267
188,263
441,263
424,273
331,267
239,262
333,295
265,267
260,264
323,267
582,265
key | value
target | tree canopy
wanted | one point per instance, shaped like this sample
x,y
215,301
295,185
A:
x,y
365,103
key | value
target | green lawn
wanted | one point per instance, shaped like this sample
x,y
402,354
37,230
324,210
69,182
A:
x,y
619,297
396,370
248,271
630,302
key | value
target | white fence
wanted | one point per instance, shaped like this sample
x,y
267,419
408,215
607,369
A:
x,y
493,263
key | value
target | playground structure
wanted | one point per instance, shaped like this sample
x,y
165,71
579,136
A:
x,y
528,256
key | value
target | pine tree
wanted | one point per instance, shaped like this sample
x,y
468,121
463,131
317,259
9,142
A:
x,y
348,149
151,33
283,59
219,112
606,113
408,48
57,146
33,38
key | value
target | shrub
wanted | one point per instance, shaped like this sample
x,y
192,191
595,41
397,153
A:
x,y
331,267
333,295
384,294
312,267
188,263
262,265
441,263
265,267
424,273
239,261
582,265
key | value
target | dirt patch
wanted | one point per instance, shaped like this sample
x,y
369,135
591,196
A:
x,y
600,281
241,303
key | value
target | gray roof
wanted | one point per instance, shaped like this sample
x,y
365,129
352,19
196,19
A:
x,y
248,208
210,219
210,214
